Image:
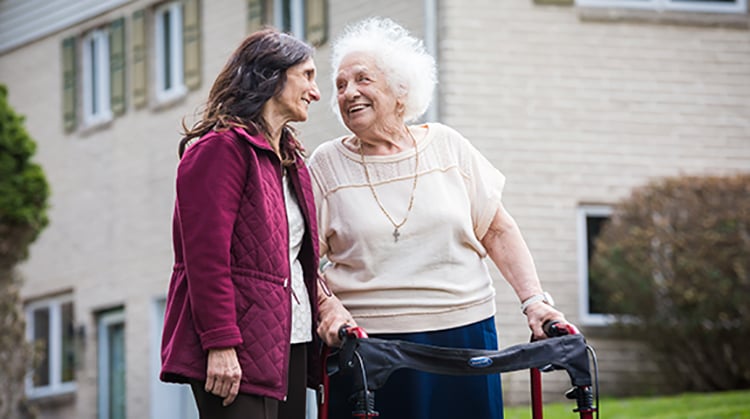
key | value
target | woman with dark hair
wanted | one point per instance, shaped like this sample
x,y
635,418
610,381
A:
x,y
239,318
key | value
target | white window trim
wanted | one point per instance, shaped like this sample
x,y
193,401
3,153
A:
x,y
157,320
739,6
586,317
101,44
169,401
296,16
103,323
177,74
56,386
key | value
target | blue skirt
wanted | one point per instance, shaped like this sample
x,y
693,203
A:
x,y
411,394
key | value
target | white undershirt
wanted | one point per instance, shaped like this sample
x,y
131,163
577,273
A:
x,y
301,312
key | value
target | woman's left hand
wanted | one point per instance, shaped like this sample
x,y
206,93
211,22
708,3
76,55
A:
x,y
539,313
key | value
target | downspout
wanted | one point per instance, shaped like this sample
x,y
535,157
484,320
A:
x,y
431,43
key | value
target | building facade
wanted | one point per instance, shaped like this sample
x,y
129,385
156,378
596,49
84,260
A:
x,y
576,103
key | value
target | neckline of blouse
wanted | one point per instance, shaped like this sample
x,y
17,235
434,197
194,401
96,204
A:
x,y
388,158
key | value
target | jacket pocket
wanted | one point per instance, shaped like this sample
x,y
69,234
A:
x,y
263,317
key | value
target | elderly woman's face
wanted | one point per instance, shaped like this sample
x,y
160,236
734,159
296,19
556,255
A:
x,y
365,98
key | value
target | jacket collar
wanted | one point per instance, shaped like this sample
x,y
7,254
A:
x,y
257,140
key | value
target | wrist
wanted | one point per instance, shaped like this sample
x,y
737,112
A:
x,y
544,297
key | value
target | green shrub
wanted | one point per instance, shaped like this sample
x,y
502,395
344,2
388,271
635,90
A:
x,y
675,256
23,215
23,188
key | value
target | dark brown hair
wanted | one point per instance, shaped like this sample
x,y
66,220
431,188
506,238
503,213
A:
x,y
254,73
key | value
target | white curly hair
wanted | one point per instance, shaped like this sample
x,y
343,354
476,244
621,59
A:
x,y
409,69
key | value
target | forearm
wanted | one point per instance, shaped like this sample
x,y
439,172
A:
x,y
508,250
332,314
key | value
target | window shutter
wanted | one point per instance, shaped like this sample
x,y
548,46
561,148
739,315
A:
x,y
138,40
69,83
316,21
191,38
117,66
255,15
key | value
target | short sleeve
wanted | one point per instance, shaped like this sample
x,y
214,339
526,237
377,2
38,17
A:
x,y
485,185
322,210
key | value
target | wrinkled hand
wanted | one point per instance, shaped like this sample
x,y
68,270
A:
x,y
333,315
539,313
223,374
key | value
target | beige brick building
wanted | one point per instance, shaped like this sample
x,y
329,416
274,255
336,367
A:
x,y
575,103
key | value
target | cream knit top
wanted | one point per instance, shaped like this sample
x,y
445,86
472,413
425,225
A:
x,y
301,311
435,276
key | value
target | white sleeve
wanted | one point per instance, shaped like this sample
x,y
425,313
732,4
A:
x,y
485,185
321,206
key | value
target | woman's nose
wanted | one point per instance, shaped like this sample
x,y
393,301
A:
x,y
350,91
315,93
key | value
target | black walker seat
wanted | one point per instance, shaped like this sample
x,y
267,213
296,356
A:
x,y
382,357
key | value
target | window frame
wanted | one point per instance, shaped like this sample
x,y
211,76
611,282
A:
x,y
296,17
104,321
739,6
583,212
176,53
55,339
101,38
168,401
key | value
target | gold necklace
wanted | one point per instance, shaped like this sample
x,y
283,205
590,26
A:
x,y
396,226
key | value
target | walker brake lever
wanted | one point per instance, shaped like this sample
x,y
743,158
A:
x,y
349,343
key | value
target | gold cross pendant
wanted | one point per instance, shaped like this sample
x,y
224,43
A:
x,y
395,235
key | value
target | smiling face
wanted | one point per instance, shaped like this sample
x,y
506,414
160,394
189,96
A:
x,y
366,101
299,91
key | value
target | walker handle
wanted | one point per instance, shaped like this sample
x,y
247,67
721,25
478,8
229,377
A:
x,y
346,331
555,328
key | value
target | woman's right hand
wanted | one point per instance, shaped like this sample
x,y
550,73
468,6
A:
x,y
333,316
223,374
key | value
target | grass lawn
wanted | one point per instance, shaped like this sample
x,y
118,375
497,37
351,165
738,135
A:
x,y
733,404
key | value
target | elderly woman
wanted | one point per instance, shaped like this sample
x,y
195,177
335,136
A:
x,y
406,216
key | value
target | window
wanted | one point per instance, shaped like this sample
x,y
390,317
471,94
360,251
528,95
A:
x,y
289,16
164,73
96,71
111,364
168,25
715,6
168,401
305,19
591,219
50,325
94,76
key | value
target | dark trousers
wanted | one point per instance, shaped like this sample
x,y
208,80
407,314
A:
x,y
250,406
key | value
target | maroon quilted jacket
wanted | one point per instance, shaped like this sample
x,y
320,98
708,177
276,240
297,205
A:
x,y
230,285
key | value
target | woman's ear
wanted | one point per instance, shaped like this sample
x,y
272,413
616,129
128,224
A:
x,y
402,94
